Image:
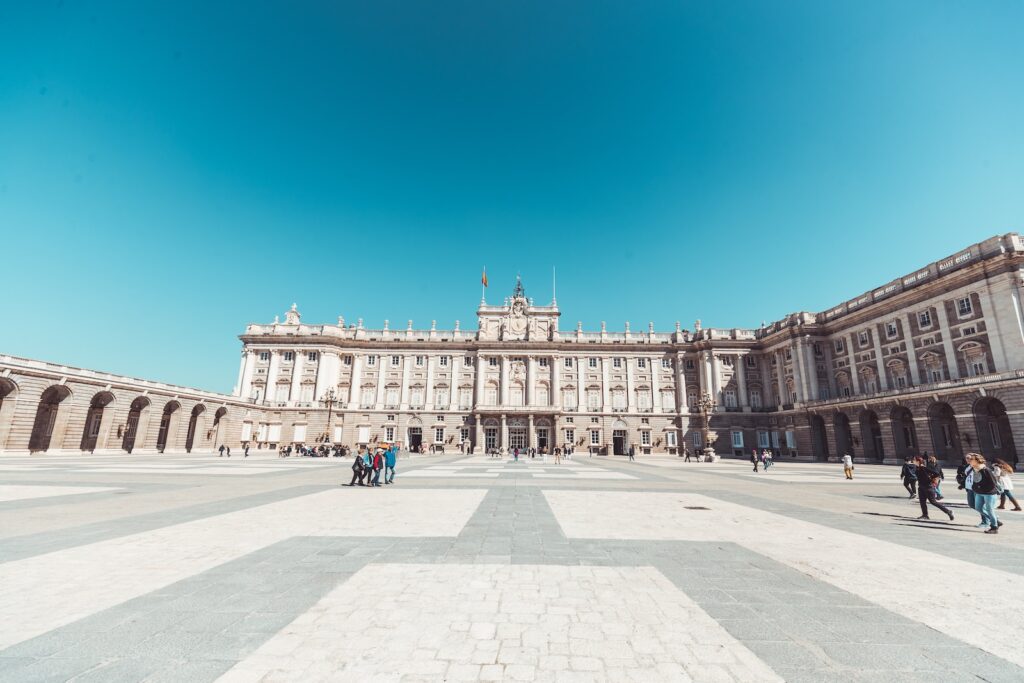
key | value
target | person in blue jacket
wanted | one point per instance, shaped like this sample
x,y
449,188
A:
x,y
390,459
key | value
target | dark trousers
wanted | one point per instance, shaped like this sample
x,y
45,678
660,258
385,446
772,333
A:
x,y
926,496
376,477
357,475
911,486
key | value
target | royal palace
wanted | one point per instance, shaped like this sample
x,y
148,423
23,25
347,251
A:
x,y
931,361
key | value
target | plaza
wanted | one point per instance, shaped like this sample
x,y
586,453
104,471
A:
x,y
201,568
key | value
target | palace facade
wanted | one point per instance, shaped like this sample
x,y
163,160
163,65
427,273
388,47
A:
x,y
931,361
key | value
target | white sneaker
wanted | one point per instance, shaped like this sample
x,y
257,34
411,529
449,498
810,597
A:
x,y
981,525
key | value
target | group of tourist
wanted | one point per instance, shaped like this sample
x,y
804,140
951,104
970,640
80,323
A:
x,y
368,464
984,483
763,459
321,451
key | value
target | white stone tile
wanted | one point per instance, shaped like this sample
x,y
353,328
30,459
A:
x,y
27,491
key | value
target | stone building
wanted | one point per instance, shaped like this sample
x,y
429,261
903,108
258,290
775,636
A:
x,y
932,361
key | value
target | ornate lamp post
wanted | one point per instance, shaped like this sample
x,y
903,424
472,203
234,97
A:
x,y
706,404
328,400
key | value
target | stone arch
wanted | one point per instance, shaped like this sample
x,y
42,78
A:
x,y
168,424
8,401
871,435
193,425
218,423
47,412
843,433
994,435
904,434
131,427
819,438
945,432
94,419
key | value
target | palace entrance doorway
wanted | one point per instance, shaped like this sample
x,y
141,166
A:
x,y
619,441
415,438
542,439
517,437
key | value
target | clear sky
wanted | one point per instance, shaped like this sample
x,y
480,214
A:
x,y
169,175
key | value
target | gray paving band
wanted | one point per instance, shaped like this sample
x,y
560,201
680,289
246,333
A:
x,y
30,545
197,628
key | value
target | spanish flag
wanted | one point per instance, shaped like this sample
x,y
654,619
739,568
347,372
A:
x,y
483,278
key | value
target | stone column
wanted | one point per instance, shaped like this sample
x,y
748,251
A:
x,y
994,327
403,400
555,390
354,388
915,372
780,366
428,397
241,374
529,431
503,389
581,383
682,402
851,359
245,389
605,389
796,350
630,386
531,377
504,432
656,385
883,379
479,443
716,378
271,393
295,392
379,403
741,381
481,364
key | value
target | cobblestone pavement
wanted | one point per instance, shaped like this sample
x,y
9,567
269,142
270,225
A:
x,y
196,568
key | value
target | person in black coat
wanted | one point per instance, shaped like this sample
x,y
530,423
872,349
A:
x,y
926,483
909,476
357,470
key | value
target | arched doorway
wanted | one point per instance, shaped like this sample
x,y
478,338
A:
x,y
414,434
903,432
94,419
193,424
218,418
168,422
131,426
8,400
620,438
46,417
844,435
871,436
995,439
945,433
819,439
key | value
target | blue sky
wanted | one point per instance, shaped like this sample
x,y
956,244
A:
x,y
168,175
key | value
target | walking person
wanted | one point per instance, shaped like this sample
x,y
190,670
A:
x,y
936,468
378,465
909,476
558,456
848,466
965,480
754,459
246,450
986,490
632,451
927,481
390,460
221,449
357,470
686,454
1006,481
769,459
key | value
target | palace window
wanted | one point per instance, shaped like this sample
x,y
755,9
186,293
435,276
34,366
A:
x,y
416,397
312,356
463,434
438,434
762,439
670,438
697,441
645,438
737,439
366,397
668,401
594,400
568,399
730,398
371,361
391,397
966,331
467,362
347,360
755,398
570,436
618,399
839,345
726,361
862,338
924,319
936,374
569,420
641,363
419,361
964,307
789,354
441,398
689,364
492,361
592,362
643,400
594,420
542,362
491,396
395,360
443,361
264,355
993,432
465,398
817,349
542,396
891,330
751,361
567,362
389,433
289,356
616,363
595,437
666,363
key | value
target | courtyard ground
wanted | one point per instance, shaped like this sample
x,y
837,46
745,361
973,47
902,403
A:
x,y
198,568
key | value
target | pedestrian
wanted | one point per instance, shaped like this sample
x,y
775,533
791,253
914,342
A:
x,y
1006,481
936,468
909,476
754,459
390,460
927,481
686,454
965,480
246,450
221,449
515,454
357,470
848,466
986,490
378,465
632,450
558,456
769,460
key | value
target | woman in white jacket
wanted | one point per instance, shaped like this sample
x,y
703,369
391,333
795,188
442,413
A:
x,y
1006,481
